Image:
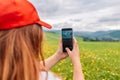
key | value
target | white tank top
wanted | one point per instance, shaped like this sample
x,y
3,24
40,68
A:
x,y
43,76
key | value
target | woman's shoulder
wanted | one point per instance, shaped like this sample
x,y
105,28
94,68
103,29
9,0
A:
x,y
48,76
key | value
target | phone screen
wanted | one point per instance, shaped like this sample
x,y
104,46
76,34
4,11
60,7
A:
x,y
67,38
67,34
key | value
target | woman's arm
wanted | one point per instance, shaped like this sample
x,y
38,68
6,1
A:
x,y
59,55
52,60
78,74
75,58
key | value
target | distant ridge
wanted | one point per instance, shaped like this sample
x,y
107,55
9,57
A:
x,y
110,35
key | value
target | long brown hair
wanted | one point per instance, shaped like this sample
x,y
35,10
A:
x,y
20,53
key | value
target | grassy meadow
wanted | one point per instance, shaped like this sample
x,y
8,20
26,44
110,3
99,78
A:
x,y
100,60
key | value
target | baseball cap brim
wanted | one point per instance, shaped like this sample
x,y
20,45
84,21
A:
x,y
42,23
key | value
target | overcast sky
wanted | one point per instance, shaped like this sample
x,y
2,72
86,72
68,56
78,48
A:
x,y
81,15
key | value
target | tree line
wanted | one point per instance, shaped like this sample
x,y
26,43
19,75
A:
x,y
107,39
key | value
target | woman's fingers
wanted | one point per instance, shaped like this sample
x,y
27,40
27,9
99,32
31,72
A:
x,y
74,43
74,39
60,40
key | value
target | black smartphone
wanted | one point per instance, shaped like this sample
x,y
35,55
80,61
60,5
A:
x,y
67,38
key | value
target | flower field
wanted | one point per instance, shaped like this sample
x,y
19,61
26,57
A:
x,y
100,60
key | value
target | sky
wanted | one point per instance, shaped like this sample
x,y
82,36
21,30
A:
x,y
81,15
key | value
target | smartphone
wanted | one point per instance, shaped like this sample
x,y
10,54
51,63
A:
x,y
67,38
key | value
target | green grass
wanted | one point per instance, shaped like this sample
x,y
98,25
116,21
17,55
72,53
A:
x,y
100,60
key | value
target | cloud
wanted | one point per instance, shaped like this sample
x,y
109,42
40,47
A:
x,y
83,15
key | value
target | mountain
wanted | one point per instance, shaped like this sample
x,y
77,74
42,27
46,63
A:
x,y
111,35
114,33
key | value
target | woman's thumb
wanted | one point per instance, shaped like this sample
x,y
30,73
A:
x,y
68,50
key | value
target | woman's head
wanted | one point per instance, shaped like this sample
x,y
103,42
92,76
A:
x,y
20,53
20,40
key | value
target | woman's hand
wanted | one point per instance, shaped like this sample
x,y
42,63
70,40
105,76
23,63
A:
x,y
59,53
74,54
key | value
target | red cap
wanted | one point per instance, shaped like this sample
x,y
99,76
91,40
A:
x,y
18,13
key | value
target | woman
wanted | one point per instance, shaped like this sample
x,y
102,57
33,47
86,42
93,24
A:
x,y
21,39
